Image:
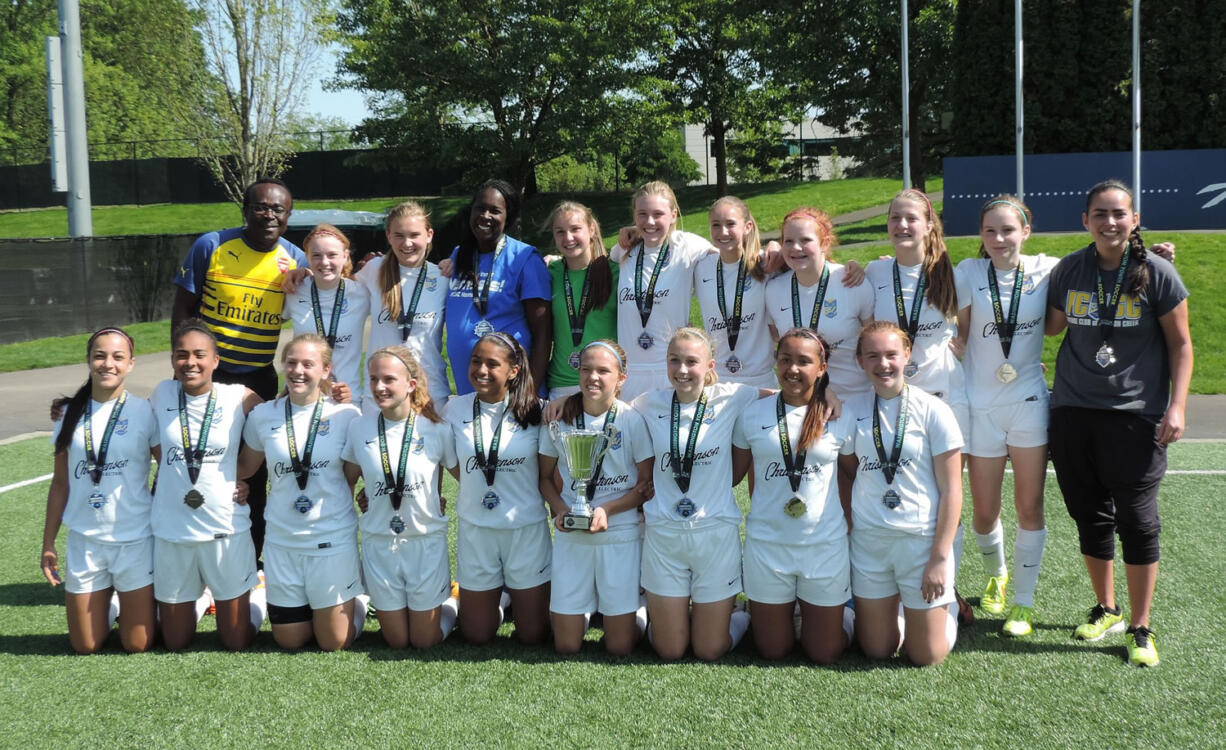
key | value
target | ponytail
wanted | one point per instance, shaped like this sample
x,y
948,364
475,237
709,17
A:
x,y
942,291
521,391
816,415
75,406
419,400
1137,277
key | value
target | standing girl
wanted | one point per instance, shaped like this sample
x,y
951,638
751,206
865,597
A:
x,y
498,284
814,294
503,537
333,307
692,549
311,552
107,435
582,284
902,449
397,451
409,294
1002,296
597,569
731,291
202,537
653,293
796,535
1121,388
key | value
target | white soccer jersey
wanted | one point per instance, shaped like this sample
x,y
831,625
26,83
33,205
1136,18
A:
x,y
618,472
173,520
347,350
671,309
516,485
983,353
710,487
321,515
123,499
930,431
844,312
429,451
757,430
754,353
939,370
426,337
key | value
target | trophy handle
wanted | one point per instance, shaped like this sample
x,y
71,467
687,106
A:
x,y
606,439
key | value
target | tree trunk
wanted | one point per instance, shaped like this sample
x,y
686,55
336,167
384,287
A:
x,y
718,130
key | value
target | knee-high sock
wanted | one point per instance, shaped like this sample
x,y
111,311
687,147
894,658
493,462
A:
x,y
640,615
951,625
1027,559
446,620
992,545
203,603
737,625
112,610
360,610
259,604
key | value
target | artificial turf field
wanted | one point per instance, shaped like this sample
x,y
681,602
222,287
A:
x,y
1043,691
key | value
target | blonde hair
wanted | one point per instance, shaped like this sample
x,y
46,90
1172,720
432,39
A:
x,y
751,244
419,400
325,358
661,188
327,230
689,333
600,271
389,272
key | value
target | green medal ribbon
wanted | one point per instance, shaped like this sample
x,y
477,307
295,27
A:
x,y
317,311
94,463
733,324
646,300
818,301
1006,329
302,466
889,466
395,485
195,456
683,467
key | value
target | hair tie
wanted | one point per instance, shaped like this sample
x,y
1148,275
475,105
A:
x,y
1002,202
605,345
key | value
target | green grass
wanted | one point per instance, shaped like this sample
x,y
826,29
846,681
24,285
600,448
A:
x,y
1047,689
67,350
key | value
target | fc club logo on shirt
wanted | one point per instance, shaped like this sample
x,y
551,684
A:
x,y
282,262
325,425
830,308
121,427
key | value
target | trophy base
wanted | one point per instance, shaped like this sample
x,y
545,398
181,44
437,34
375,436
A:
x,y
576,522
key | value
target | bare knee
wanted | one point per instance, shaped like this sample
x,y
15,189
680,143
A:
x,y
926,656
422,638
709,651
619,646
825,653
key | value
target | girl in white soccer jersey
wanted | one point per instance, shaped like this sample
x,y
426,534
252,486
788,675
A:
x,y
1002,300
310,548
655,284
692,548
902,446
331,305
397,451
584,285
795,535
731,289
407,296
597,569
814,294
503,537
201,535
100,489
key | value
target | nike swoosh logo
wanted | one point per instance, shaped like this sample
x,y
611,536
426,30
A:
x,y
1030,566
372,441
172,408
733,581
707,281
467,421
861,419
767,426
661,416
980,289
355,583
784,309
883,286
542,570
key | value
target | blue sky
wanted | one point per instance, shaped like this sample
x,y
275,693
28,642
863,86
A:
x,y
346,104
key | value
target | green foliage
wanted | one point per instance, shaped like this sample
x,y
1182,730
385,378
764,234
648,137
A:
x,y
758,153
659,156
502,86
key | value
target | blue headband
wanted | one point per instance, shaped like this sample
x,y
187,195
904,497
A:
x,y
1002,202
605,345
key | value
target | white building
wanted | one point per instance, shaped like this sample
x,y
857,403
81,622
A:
x,y
819,143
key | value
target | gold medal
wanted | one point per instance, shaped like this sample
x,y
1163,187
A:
x,y
795,507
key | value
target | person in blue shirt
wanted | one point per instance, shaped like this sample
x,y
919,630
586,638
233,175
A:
x,y
497,284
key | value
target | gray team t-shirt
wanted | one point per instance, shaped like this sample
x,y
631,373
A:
x,y
1139,381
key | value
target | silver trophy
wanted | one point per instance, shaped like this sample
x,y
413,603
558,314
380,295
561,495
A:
x,y
582,451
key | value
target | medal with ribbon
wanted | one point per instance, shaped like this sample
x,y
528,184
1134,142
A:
x,y
645,300
793,465
317,311
732,324
301,466
194,457
407,313
395,484
94,463
487,463
818,301
481,291
1005,329
576,316
889,465
910,323
682,466
1105,356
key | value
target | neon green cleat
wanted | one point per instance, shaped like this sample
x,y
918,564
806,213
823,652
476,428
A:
x,y
994,596
1098,623
1017,624
1142,647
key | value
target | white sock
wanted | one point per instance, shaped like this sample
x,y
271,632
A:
x,y
360,610
202,604
737,625
259,606
849,623
446,620
112,611
640,615
504,600
902,621
958,548
1027,559
992,545
587,621
951,625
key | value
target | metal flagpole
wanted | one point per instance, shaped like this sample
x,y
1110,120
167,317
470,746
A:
x,y
906,104
1136,105
80,221
1017,91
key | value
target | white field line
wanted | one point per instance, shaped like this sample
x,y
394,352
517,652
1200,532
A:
x,y
23,483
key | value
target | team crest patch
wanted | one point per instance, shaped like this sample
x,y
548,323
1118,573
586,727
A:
x,y
709,417
830,308
616,442
282,262
431,283
1028,286
418,445
344,306
325,425
216,418
121,427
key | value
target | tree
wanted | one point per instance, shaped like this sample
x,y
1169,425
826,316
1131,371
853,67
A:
x,y
845,60
259,56
502,85
713,61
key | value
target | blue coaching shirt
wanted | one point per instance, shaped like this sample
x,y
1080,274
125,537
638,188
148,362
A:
x,y
240,294
519,274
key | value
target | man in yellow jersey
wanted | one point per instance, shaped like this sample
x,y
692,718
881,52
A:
x,y
231,279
